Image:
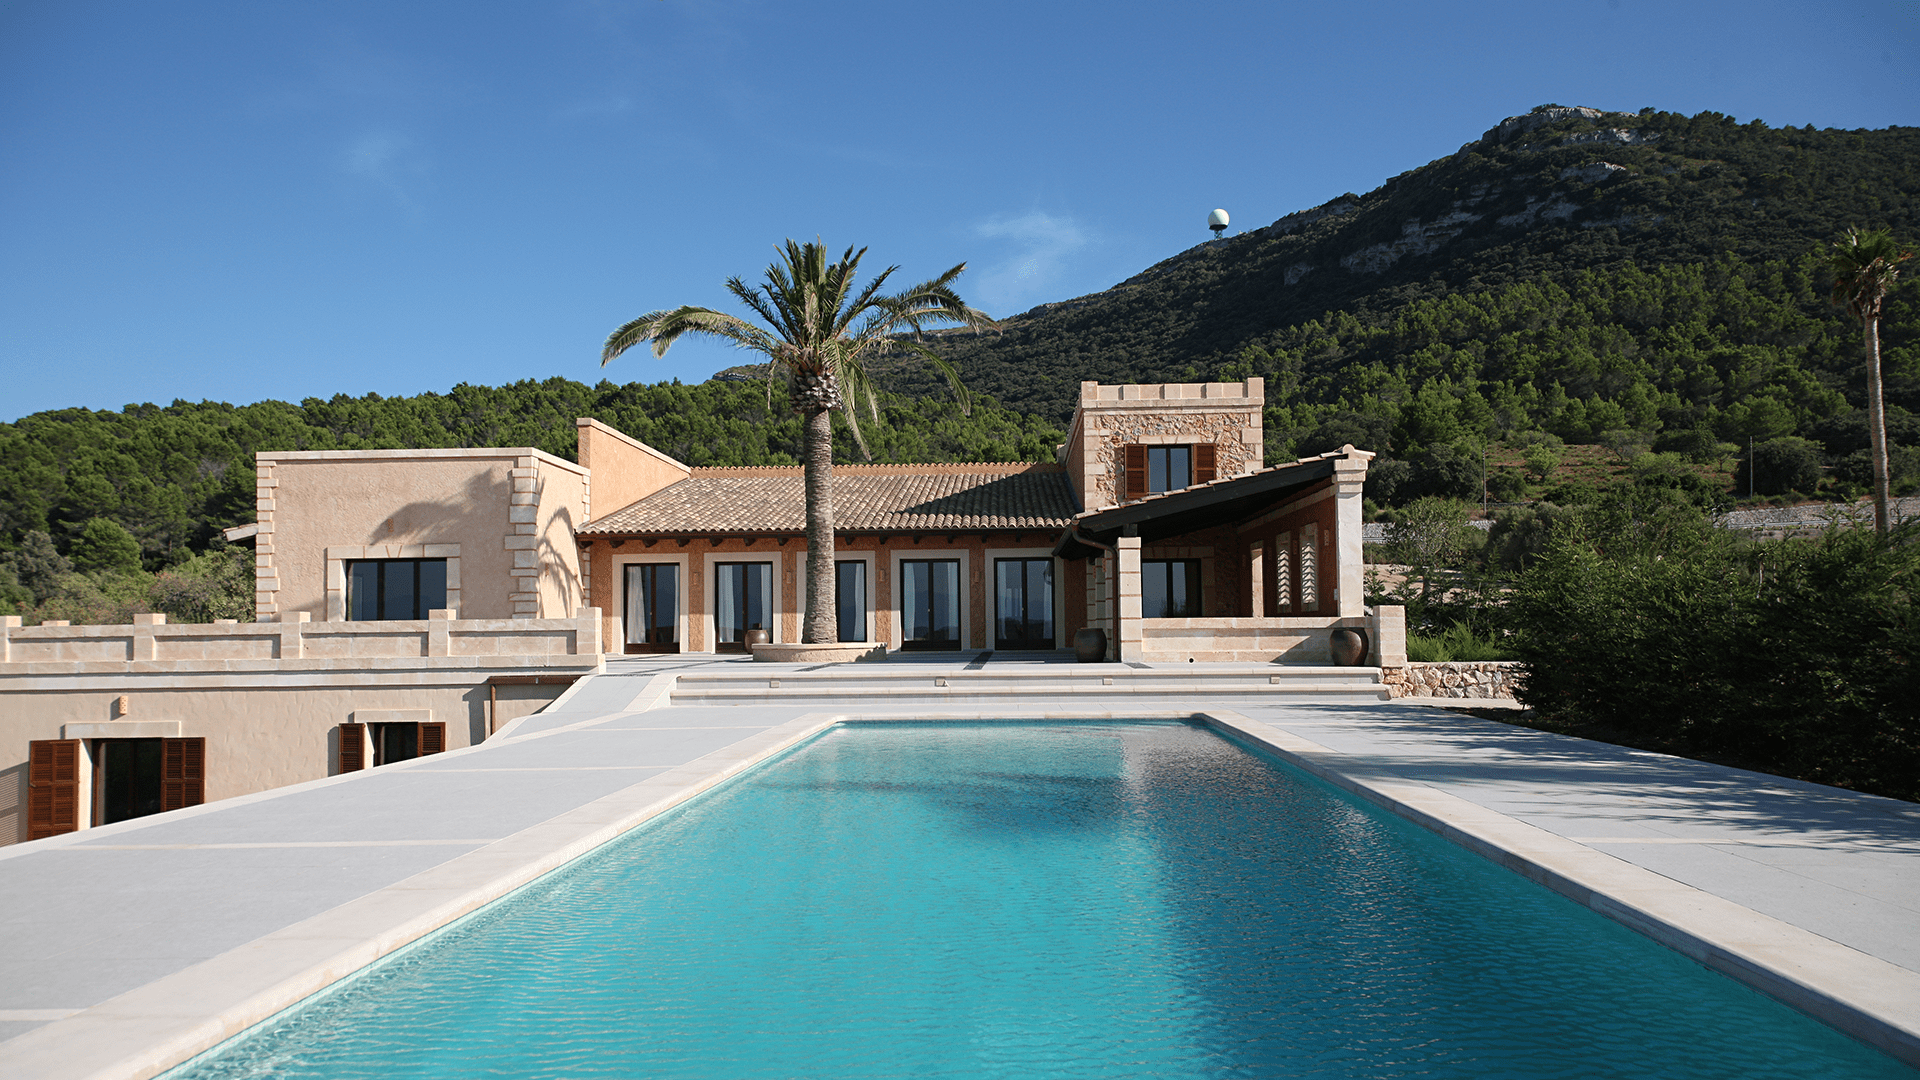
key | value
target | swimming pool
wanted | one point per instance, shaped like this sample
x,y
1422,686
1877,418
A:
x,y
1074,900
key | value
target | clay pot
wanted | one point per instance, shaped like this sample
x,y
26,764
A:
x,y
757,636
1349,646
1090,645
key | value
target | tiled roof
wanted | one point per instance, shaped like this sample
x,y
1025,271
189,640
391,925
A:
x,y
864,498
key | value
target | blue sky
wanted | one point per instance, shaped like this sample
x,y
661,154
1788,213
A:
x,y
247,199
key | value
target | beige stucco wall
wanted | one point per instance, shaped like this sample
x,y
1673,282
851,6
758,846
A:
x,y
625,470
269,697
476,508
258,737
562,503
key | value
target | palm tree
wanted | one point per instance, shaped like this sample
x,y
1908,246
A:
x,y
1865,267
819,329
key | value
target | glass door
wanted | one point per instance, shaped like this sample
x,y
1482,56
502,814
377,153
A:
x,y
850,599
742,601
930,604
1023,604
653,607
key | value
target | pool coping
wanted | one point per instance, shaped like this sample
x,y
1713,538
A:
x,y
167,1022
1865,997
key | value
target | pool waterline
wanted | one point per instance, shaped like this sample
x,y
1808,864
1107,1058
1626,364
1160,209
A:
x,y
1569,868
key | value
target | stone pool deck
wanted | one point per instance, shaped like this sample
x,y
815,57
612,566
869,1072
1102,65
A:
x,y
126,949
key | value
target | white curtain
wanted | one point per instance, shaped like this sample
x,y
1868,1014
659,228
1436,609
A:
x,y
636,608
726,596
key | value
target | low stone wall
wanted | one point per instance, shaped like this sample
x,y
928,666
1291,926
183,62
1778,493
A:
x,y
1457,679
1284,640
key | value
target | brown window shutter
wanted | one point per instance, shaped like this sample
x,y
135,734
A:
x,y
1136,471
1203,463
353,747
183,773
433,739
53,787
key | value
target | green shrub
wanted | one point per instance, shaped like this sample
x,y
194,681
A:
x,y
1456,643
1793,656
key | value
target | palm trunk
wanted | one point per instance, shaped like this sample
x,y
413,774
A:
x,y
1876,425
820,625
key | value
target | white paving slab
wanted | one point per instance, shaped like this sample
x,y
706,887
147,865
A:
x,y
128,948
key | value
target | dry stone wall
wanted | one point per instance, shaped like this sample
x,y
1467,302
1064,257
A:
x,y
1459,679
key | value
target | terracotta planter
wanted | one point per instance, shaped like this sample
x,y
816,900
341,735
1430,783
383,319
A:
x,y
757,636
1348,646
1090,645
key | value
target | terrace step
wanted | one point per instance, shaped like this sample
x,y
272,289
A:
x,y
847,685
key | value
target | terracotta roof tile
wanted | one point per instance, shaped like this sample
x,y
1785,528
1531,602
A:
x,y
864,498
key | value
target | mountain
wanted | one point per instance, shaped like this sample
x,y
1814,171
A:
x,y
1535,229
1642,278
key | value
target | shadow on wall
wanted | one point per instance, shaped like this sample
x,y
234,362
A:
x,y
554,567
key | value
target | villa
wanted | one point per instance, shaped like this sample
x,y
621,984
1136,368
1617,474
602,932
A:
x,y
412,602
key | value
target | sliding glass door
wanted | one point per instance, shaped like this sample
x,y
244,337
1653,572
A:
x,y
850,599
742,601
1023,603
930,604
652,607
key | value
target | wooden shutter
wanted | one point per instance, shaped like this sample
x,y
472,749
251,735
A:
x,y
433,739
1203,463
183,773
1136,471
353,747
53,787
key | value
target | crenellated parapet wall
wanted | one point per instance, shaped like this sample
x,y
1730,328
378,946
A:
x,y
151,645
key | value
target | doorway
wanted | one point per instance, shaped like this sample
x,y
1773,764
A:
x,y
129,779
930,604
1023,604
652,615
742,601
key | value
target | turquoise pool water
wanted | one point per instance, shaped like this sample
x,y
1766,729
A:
x,y
1015,900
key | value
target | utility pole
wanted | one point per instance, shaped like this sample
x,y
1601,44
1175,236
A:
x,y
1749,467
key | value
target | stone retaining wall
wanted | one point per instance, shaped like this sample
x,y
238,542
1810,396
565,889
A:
x,y
1458,679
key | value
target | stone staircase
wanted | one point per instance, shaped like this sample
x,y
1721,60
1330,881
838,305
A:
x,y
1049,687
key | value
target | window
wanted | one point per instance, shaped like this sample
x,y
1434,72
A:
x,y
1023,603
850,599
132,778
930,604
1309,568
364,745
128,779
1170,588
386,589
1152,469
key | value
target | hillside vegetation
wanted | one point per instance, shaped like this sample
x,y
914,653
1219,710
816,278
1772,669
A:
x,y
1648,283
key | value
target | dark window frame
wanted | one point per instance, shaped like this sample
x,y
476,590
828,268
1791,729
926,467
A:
x,y
1192,573
423,601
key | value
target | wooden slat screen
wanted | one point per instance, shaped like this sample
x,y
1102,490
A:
x,y
433,739
53,787
1204,469
183,773
353,747
1136,471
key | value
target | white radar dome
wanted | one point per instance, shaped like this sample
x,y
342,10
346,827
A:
x,y
1217,220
